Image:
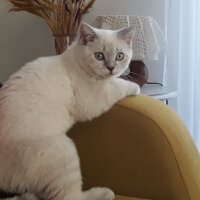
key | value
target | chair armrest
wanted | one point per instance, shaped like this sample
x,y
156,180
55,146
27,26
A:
x,y
139,148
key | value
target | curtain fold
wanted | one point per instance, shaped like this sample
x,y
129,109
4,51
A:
x,y
189,67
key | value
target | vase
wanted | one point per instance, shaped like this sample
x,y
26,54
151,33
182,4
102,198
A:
x,y
62,42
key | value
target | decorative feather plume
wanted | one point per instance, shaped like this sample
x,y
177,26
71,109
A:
x,y
62,16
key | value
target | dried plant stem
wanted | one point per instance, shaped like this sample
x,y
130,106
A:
x,y
62,16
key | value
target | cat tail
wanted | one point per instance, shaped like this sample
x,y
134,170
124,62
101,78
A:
x,y
26,196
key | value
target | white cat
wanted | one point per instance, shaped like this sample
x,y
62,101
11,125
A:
x,y
41,102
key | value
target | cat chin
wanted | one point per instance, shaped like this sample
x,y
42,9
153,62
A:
x,y
108,76
103,76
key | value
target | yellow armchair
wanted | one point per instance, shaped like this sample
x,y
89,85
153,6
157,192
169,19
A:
x,y
142,150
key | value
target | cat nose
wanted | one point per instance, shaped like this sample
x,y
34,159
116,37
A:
x,y
110,68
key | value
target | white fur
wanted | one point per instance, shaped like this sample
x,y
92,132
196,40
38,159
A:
x,y
41,102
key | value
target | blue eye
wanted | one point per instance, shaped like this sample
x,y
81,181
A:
x,y
119,56
99,56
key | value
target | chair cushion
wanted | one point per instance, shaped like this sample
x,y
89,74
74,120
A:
x,y
118,197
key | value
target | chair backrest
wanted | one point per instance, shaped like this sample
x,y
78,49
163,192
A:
x,y
128,152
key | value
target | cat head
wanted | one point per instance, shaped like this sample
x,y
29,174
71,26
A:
x,y
104,53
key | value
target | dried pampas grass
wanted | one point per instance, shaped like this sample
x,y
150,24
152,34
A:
x,y
62,16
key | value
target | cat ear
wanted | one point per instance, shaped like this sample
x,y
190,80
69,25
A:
x,y
127,34
86,33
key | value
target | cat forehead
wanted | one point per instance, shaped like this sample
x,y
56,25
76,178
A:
x,y
107,36
107,40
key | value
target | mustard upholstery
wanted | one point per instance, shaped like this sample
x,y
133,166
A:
x,y
127,198
140,148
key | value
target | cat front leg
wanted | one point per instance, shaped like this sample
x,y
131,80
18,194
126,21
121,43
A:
x,y
108,94
127,88
119,88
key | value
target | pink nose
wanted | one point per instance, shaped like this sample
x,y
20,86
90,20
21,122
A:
x,y
110,68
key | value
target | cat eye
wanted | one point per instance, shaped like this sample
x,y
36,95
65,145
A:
x,y
99,56
119,56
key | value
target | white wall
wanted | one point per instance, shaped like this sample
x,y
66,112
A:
x,y
154,8
23,37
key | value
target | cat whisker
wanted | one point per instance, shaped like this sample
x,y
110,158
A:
x,y
134,74
128,77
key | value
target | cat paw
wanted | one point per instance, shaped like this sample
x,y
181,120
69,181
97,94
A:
x,y
100,193
107,194
136,89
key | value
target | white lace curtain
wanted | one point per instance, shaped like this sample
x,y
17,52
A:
x,y
189,67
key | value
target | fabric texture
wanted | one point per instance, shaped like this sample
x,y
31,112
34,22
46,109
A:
x,y
117,197
146,44
141,149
